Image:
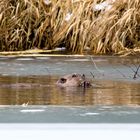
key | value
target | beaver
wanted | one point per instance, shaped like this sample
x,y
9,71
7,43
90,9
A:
x,y
73,80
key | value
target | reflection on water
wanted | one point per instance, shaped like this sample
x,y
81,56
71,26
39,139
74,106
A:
x,y
41,90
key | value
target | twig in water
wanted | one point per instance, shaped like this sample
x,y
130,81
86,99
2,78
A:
x,y
136,72
48,71
92,75
120,72
100,71
133,70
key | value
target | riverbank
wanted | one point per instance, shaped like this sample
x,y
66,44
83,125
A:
x,y
55,52
101,27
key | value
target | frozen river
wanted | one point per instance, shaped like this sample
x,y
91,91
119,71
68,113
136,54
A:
x,y
28,92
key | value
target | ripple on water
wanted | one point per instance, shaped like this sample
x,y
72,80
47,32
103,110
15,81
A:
x,y
42,58
85,60
31,110
90,114
77,60
25,59
120,113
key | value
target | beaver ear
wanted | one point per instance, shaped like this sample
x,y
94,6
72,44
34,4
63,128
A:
x,y
74,75
63,80
83,76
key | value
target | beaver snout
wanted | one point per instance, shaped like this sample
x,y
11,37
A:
x,y
73,80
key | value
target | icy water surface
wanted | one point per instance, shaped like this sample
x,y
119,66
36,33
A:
x,y
69,114
28,92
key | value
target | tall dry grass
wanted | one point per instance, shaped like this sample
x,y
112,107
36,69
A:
x,y
23,25
118,29
73,33
26,24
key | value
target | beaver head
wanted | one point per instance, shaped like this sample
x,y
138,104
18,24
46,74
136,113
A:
x,y
73,80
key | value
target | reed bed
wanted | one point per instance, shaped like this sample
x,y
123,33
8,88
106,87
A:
x,y
118,29
74,24
23,25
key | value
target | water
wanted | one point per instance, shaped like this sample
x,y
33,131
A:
x,y
69,114
28,92
42,90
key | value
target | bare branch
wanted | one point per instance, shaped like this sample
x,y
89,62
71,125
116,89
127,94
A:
x,y
92,75
100,71
120,72
136,72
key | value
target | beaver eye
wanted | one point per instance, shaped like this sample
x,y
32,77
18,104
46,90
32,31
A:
x,y
74,75
63,80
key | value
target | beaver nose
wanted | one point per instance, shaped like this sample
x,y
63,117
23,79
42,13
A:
x,y
63,80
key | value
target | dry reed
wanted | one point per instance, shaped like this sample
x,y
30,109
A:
x,y
74,24
22,25
118,29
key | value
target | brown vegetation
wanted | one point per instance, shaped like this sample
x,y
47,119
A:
x,y
74,24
